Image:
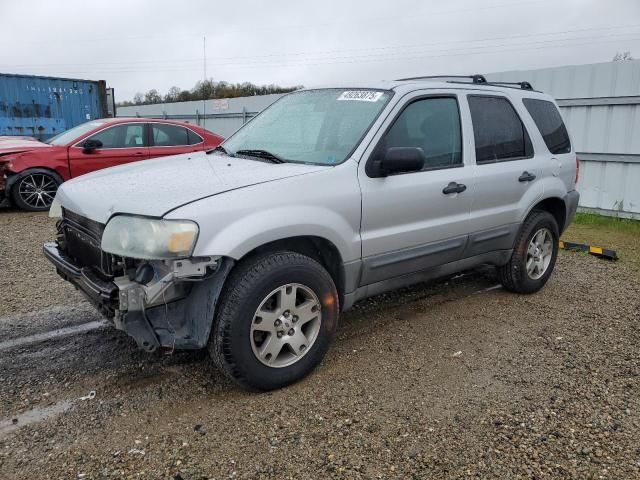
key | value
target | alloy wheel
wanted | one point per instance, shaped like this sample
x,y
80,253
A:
x,y
285,325
37,190
539,253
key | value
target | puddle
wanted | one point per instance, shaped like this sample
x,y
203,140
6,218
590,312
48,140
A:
x,y
41,337
32,416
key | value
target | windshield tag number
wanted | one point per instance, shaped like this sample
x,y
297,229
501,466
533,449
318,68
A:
x,y
360,95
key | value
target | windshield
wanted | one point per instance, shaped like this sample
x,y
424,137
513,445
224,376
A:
x,y
313,126
70,135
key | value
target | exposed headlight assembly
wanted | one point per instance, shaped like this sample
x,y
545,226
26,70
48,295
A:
x,y
149,238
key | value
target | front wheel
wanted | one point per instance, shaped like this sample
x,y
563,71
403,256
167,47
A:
x,y
275,321
534,255
34,190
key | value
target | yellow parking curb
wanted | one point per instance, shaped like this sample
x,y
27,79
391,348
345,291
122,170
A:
x,y
591,249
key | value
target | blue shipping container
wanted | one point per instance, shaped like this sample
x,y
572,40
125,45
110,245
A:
x,y
42,107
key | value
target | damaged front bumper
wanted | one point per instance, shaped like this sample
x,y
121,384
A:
x,y
171,306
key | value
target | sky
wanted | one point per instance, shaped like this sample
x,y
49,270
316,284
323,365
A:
x,y
138,45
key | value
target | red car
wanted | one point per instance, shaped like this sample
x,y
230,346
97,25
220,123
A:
x,y
31,171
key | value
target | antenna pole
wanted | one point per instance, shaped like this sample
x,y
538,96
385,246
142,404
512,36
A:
x,y
204,68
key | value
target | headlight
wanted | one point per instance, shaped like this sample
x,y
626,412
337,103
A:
x,y
55,211
148,238
5,162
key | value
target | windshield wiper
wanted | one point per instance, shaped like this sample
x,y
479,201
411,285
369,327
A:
x,y
261,154
220,149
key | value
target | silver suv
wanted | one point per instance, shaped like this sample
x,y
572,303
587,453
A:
x,y
327,197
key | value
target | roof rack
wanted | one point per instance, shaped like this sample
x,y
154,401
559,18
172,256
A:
x,y
476,79
522,85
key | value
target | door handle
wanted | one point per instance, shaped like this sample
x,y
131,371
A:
x,y
454,187
526,177
139,153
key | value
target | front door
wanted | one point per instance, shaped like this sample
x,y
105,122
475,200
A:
x,y
121,144
410,221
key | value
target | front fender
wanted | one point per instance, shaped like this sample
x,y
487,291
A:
x,y
258,228
325,204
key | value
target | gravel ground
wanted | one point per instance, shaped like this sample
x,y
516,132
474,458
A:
x,y
451,380
28,282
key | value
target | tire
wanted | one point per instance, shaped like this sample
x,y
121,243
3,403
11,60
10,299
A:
x,y
34,189
239,337
515,275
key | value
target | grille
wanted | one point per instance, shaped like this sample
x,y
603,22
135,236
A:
x,y
81,238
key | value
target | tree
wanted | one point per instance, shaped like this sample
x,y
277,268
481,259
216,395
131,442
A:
x,y
138,99
172,94
184,96
622,57
152,96
204,89
207,89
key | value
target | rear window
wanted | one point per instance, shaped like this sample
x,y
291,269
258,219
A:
x,y
548,120
498,131
165,135
193,137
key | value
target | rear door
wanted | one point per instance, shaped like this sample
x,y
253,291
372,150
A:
x,y
122,143
505,173
559,159
169,139
408,222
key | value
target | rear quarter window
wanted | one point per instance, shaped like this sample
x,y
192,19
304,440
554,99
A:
x,y
498,131
193,137
548,120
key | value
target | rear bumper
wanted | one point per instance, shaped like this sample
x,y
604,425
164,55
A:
x,y
571,200
102,294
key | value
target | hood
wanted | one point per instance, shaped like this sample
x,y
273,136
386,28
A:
x,y
154,187
19,145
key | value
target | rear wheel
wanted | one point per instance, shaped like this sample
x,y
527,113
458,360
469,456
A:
x,y
34,190
275,321
534,255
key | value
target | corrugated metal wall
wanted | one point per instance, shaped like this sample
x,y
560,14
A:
x,y
600,103
219,116
42,107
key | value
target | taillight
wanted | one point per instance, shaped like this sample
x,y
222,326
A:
x,y
577,170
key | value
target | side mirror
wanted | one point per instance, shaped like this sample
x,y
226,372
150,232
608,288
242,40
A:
x,y
398,160
90,145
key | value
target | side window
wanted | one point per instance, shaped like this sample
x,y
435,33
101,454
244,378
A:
x,y
121,136
165,135
432,124
193,138
548,120
498,131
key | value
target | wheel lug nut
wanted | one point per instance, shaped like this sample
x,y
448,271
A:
x,y
279,334
287,313
291,331
277,323
295,319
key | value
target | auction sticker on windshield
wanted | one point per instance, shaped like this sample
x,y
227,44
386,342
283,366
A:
x,y
360,95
